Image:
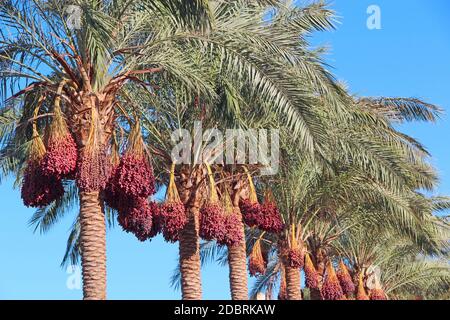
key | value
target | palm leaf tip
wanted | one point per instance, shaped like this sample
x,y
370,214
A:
x,y
403,109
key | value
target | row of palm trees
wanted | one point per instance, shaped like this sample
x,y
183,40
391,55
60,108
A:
x,y
346,174
338,211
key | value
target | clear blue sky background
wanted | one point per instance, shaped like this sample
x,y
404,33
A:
x,y
409,56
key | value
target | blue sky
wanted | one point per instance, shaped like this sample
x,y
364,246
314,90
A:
x,y
408,57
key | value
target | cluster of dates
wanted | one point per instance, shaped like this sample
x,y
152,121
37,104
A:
x,y
45,171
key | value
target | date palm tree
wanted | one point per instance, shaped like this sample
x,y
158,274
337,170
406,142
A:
x,y
315,198
147,58
404,268
233,109
122,42
89,70
352,231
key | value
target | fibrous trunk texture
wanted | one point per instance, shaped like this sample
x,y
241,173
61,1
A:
x,y
237,261
293,283
189,243
319,259
93,246
190,257
315,294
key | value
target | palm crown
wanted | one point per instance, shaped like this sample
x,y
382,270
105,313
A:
x,y
115,87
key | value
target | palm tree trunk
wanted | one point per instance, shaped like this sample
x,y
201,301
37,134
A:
x,y
189,243
93,246
315,294
293,283
237,262
319,262
191,286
